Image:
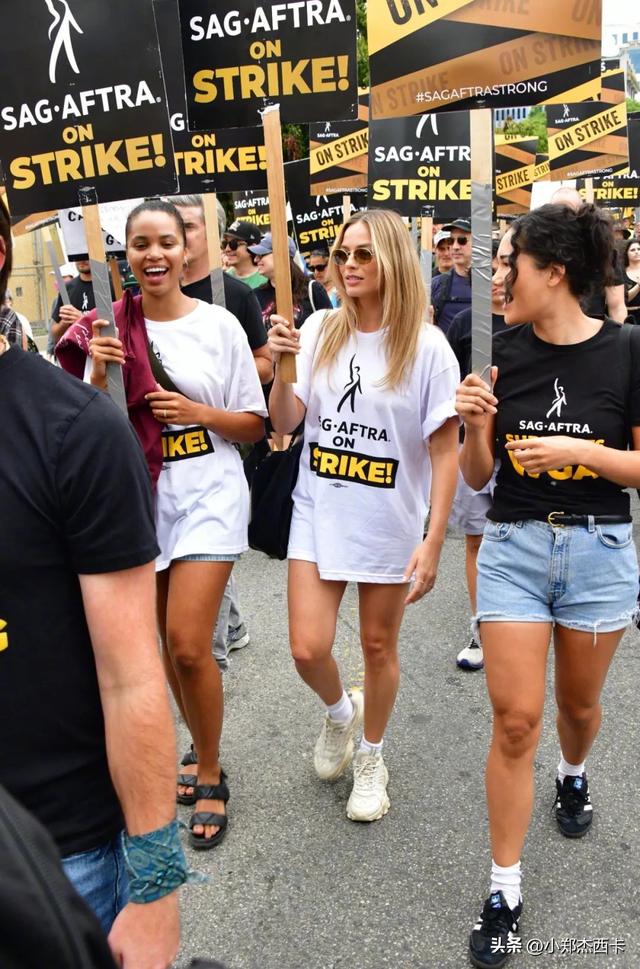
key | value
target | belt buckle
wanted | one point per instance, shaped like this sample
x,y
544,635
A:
x,y
552,522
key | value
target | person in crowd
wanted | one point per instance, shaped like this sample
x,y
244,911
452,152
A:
x,y
308,296
230,632
602,300
10,325
559,416
318,263
443,260
87,745
451,290
375,388
235,251
632,279
469,510
81,301
192,389
636,230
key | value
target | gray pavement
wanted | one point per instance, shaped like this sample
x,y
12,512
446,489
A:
x,y
295,885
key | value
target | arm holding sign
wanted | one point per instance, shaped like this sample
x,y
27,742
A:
x,y
477,406
285,409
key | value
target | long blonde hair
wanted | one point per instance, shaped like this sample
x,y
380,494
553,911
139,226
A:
x,y
404,302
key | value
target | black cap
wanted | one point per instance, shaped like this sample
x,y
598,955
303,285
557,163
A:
x,y
463,224
246,231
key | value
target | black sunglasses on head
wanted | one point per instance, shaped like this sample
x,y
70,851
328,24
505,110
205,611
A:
x,y
232,244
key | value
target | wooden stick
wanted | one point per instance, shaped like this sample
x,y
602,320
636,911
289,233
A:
x,y
116,279
426,252
346,208
277,211
588,190
481,205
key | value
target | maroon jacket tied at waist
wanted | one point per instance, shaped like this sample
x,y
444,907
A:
x,y
73,348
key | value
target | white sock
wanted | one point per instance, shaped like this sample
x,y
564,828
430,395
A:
x,y
370,748
565,769
342,711
507,880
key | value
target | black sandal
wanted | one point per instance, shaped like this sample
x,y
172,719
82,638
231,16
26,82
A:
x,y
188,780
209,792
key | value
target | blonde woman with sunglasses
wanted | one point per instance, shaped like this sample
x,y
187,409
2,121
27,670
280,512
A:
x,y
375,388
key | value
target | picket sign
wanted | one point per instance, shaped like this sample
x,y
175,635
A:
x,y
481,211
210,206
116,279
277,212
101,288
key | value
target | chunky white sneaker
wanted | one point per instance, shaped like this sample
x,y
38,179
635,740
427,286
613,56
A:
x,y
334,746
471,658
369,799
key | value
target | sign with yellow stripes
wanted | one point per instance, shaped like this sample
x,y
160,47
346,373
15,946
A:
x,y
515,173
542,169
614,85
587,139
447,55
338,152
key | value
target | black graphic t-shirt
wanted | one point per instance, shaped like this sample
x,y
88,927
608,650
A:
x,y
75,499
80,293
575,391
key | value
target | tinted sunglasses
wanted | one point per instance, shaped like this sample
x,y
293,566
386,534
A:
x,y
232,244
318,269
461,240
361,254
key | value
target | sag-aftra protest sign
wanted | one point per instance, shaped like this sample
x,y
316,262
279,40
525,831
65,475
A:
x,y
439,55
587,140
620,192
83,103
338,152
418,162
241,56
515,163
317,219
227,160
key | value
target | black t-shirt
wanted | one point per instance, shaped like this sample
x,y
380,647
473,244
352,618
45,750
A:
x,y
239,300
459,337
75,499
304,308
595,305
80,295
577,391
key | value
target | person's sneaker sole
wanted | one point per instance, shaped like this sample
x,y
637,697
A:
x,y
357,698
239,643
464,664
380,813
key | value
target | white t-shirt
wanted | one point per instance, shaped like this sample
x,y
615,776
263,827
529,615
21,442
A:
x,y
361,499
203,500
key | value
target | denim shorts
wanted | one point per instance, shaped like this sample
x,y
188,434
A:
x,y
100,876
210,557
584,577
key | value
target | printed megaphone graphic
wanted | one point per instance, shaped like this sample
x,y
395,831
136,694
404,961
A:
x,y
63,23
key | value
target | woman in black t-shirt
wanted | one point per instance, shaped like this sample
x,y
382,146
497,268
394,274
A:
x,y
308,296
632,278
565,402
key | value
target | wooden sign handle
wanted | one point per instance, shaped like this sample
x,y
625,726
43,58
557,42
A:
x,y
280,240
116,278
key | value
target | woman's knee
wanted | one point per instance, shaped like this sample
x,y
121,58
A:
x,y
307,651
577,712
188,655
516,731
379,649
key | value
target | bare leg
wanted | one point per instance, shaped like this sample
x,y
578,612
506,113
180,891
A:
x,y
471,547
313,614
381,611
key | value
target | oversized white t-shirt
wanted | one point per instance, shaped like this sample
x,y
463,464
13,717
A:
x,y
203,500
362,494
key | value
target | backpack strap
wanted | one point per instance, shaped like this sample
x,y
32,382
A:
x,y
161,375
444,292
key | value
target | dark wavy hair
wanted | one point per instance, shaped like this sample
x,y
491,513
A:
x,y
579,239
5,234
156,205
630,242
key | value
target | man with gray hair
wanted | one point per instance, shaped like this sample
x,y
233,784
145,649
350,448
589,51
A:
x,y
230,632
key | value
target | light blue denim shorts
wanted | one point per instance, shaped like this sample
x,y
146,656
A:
x,y
210,557
584,577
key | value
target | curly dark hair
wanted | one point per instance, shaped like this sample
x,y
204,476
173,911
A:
x,y
579,239
5,235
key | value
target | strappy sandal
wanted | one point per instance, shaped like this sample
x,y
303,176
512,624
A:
x,y
188,780
209,792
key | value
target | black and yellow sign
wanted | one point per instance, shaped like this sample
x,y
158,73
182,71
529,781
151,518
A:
x,y
415,162
242,57
587,140
190,442
227,160
443,55
542,170
316,218
83,104
515,173
614,193
338,152
633,127
614,84
252,207
352,466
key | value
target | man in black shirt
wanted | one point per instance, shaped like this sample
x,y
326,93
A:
x,y
87,742
81,301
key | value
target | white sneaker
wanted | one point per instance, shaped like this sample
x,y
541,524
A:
x,y
471,658
334,746
369,799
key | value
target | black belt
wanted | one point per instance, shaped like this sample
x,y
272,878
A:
x,y
562,519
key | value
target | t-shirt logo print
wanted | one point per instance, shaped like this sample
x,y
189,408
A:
x,y
353,386
63,22
560,400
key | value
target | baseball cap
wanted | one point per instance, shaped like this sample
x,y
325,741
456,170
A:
x,y
463,224
245,231
266,246
441,236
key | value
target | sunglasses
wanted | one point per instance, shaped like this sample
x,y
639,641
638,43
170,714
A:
x,y
460,240
318,269
361,254
232,244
